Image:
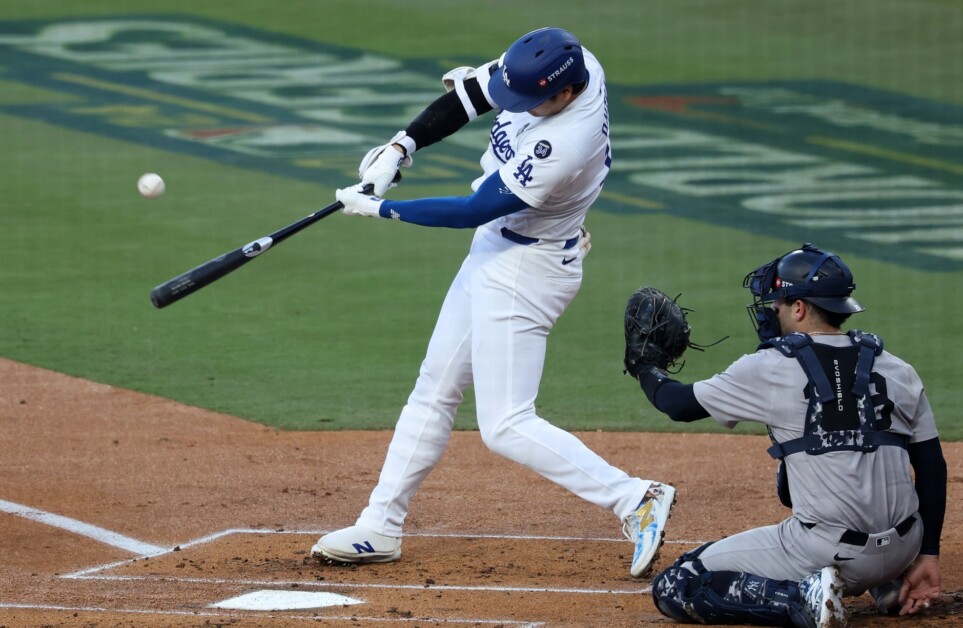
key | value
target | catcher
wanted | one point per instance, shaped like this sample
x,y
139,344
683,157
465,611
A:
x,y
848,422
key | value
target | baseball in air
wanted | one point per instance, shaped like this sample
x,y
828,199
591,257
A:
x,y
150,185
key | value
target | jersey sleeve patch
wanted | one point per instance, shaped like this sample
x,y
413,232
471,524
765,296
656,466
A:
x,y
538,170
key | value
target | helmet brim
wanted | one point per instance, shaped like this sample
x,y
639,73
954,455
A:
x,y
508,100
839,305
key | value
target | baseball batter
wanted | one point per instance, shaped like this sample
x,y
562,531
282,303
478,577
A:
x,y
847,420
544,166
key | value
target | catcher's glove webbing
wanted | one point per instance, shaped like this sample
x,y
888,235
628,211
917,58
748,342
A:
x,y
656,331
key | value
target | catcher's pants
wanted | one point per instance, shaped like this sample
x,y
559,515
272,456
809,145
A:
x,y
491,332
791,550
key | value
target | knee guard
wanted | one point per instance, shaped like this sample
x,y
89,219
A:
x,y
688,593
670,588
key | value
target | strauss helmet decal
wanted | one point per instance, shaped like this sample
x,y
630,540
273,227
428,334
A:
x,y
536,67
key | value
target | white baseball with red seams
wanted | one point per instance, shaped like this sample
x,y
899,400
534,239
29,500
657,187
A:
x,y
150,185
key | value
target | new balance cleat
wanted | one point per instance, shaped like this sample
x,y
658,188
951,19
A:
x,y
357,545
646,526
822,599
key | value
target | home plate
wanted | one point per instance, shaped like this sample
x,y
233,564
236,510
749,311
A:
x,y
268,600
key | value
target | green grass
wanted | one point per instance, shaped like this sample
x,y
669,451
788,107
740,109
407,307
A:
x,y
327,332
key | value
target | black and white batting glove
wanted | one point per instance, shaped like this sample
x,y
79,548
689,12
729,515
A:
x,y
357,203
380,165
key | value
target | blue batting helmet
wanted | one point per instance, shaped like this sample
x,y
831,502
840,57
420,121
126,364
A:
x,y
536,67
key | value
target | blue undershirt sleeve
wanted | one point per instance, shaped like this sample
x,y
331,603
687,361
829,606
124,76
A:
x,y
493,199
675,399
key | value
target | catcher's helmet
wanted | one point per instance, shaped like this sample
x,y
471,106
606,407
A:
x,y
818,277
536,67
806,273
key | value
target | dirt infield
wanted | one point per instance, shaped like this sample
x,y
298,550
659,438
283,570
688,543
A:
x,y
121,509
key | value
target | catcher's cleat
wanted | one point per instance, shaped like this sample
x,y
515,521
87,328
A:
x,y
357,545
886,597
646,526
822,599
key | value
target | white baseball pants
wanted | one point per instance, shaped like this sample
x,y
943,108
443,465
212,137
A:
x,y
492,332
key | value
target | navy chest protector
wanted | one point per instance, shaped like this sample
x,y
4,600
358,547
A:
x,y
842,411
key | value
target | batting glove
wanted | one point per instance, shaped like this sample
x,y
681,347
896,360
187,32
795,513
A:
x,y
357,203
585,242
380,165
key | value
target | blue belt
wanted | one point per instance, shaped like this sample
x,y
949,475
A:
x,y
518,238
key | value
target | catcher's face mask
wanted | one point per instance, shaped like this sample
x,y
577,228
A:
x,y
761,283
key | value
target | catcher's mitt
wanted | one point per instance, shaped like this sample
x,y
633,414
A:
x,y
656,331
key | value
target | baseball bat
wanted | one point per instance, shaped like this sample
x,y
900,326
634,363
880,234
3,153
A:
x,y
207,273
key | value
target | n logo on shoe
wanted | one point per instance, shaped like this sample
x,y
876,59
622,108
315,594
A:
x,y
645,515
362,548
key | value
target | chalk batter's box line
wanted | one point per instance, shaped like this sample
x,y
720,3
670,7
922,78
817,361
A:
x,y
94,573
269,615
330,585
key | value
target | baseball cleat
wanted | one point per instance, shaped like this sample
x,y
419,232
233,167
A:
x,y
357,545
886,597
646,526
822,599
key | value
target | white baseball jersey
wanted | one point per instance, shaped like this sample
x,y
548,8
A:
x,y
556,164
